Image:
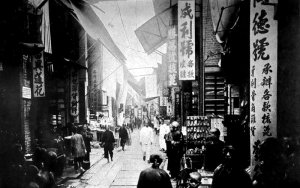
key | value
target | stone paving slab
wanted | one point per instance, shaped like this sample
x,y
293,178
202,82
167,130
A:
x,y
123,172
125,183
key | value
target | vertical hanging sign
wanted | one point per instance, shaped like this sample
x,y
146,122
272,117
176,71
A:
x,y
172,57
263,75
186,39
38,75
74,93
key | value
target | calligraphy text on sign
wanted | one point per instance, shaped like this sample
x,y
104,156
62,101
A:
x,y
38,75
263,75
172,58
186,39
74,93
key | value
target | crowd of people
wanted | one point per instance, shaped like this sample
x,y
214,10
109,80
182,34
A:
x,y
278,166
279,161
42,172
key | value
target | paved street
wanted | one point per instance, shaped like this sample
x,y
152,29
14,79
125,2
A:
x,y
122,172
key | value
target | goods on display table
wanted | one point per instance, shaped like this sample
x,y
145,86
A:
x,y
197,130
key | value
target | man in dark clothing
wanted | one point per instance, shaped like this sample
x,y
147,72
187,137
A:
x,y
108,140
87,138
154,177
138,123
174,141
230,172
213,150
123,134
270,172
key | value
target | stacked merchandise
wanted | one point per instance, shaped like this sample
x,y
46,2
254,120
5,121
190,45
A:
x,y
197,131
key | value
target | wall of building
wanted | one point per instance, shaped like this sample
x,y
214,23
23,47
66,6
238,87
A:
x,y
210,44
288,68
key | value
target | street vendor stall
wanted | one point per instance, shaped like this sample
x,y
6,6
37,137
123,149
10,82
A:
x,y
197,130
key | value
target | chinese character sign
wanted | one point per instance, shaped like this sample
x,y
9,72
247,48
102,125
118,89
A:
x,y
172,57
74,94
163,101
186,39
38,75
151,86
263,75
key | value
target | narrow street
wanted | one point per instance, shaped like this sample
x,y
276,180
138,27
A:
x,y
122,172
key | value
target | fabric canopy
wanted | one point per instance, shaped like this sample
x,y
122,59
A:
x,y
94,26
225,14
45,26
154,32
150,99
162,5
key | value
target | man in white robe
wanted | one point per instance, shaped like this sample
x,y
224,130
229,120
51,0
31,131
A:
x,y
146,140
163,130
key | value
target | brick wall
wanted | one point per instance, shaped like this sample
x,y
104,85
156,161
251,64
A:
x,y
209,40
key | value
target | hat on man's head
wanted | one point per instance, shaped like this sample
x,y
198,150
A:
x,y
156,157
175,124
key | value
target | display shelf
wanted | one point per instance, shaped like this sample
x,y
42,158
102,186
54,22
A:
x,y
197,128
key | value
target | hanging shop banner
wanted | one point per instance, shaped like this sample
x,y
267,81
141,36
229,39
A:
x,y
172,57
263,75
38,75
74,93
163,101
151,86
186,39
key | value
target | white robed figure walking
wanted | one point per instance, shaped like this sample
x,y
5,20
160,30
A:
x,y
146,140
163,130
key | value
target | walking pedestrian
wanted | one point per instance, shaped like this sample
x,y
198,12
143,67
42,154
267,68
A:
x,y
156,124
123,134
108,141
154,176
163,130
146,140
87,137
78,149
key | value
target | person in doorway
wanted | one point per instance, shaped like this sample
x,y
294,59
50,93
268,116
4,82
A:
x,y
78,149
213,152
154,176
230,172
146,140
108,141
174,141
163,130
123,134
87,137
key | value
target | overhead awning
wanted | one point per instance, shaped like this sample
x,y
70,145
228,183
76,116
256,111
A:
x,y
93,25
45,26
225,14
150,98
162,5
154,32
